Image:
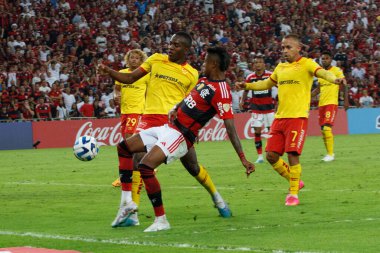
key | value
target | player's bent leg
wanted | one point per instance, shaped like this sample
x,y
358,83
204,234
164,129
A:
x,y
151,160
278,164
127,207
190,162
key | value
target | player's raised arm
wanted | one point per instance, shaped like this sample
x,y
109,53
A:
x,y
232,135
126,78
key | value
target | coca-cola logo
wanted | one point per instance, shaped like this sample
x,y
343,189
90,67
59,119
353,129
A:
x,y
215,130
108,135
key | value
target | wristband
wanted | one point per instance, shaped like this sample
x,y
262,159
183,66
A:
x,y
241,155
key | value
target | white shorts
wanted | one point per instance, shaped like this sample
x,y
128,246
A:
x,y
260,120
171,141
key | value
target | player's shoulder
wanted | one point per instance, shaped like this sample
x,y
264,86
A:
x,y
158,57
267,72
335,68
192,70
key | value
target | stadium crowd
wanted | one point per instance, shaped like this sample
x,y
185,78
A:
x,y
50,48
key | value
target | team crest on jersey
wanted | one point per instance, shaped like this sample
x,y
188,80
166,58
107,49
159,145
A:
x,y
226,107
200,85
184,71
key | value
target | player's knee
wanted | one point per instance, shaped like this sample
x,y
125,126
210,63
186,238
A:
x,y
123,150
145,170
192,168
271,157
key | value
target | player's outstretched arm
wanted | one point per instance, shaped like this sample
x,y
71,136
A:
x,y
234,138
329,76
258,85
127,78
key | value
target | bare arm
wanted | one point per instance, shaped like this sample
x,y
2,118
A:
x,y
127,78
243,98
235,141
315,92
346,100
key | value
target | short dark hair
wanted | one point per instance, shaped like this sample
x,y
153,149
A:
x,y
327,53
223,57
187,38
259,56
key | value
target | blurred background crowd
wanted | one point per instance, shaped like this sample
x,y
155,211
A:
x,y
50,48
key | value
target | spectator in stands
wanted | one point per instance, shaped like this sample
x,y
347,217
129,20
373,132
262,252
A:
x,y
68,99
27,111
43,110
74,113
4,115
111,110
358,71
87,109
62,113
44,87
365,100
236,98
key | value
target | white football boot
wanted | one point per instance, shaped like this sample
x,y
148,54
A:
x,y
160,223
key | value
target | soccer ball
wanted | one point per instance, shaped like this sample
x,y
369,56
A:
x,y
86,148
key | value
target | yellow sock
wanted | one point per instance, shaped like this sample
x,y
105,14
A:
x,y
295,175
328,139
204,179
136,186
282,168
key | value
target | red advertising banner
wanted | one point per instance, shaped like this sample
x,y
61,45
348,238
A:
x,y
55,134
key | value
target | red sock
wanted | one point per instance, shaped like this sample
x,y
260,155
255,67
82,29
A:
x,y
153,189
125,166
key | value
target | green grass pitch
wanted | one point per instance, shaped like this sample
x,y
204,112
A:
x,y
50,199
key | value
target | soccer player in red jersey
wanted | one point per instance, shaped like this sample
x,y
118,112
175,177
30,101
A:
x,y
261,104
294,79
172,141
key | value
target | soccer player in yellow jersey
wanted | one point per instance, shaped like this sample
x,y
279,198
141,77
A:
x,y
294,79
132,101
328,104
171,79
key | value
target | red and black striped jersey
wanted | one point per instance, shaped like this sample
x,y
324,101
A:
x,y
205,100
261,101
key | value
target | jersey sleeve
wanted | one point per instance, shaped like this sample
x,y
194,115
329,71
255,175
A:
x,y
222,101
147,65
339,73
273,76
312,66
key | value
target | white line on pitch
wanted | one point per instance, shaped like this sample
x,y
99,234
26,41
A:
x,y
127,242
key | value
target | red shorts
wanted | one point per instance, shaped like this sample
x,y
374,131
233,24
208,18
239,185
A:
x,y
327,114
129,123
151,120
287,135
